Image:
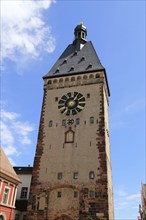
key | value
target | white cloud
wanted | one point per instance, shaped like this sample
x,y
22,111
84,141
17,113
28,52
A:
x,y
123,200
10,150
23,129
133,197
134,106
120,192
23,29
14,132
8,115
6,135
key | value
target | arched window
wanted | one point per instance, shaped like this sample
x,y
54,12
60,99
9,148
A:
x,y
69,136
66,79
72,79
63,122
85,77
61,80
55,81
2,217
77,121
78,80
91,175
50,123
88,95
97,76
49,82
91,76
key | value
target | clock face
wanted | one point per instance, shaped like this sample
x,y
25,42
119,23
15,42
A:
x,y
71,103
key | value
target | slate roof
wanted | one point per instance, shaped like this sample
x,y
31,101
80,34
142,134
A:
x,y
74,60
6,168
23,170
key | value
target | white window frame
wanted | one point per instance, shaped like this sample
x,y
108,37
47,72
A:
x,y
7,196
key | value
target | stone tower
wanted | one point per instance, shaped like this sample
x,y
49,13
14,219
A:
x,y
72,176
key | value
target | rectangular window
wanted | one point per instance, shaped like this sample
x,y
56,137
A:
x,y
77,121
88,95
91,194
56,99
63,122
59,194
50,123
75,194
24,191
91,175
5,196
75,175
91,120
59,176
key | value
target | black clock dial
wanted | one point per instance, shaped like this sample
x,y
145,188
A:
x,y
71,103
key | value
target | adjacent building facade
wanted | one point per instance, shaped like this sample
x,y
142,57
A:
x,y
72,174
8,187
142,207
24,174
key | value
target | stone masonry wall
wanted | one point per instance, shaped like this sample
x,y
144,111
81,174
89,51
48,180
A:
x,y
42,204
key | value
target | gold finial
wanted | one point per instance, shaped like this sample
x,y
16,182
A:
x,y
81,22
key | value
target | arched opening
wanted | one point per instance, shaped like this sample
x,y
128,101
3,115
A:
x,y
55,81
2,217
69,136
49,82
85,79
91,76
61,82
78,80
72,79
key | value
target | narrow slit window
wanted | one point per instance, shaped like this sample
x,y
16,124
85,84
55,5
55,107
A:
x,y
88,95
59,176
75,194
77,121
63,122
91,175
59,194
75,175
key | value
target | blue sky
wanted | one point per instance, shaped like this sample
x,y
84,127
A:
x,y
33,36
